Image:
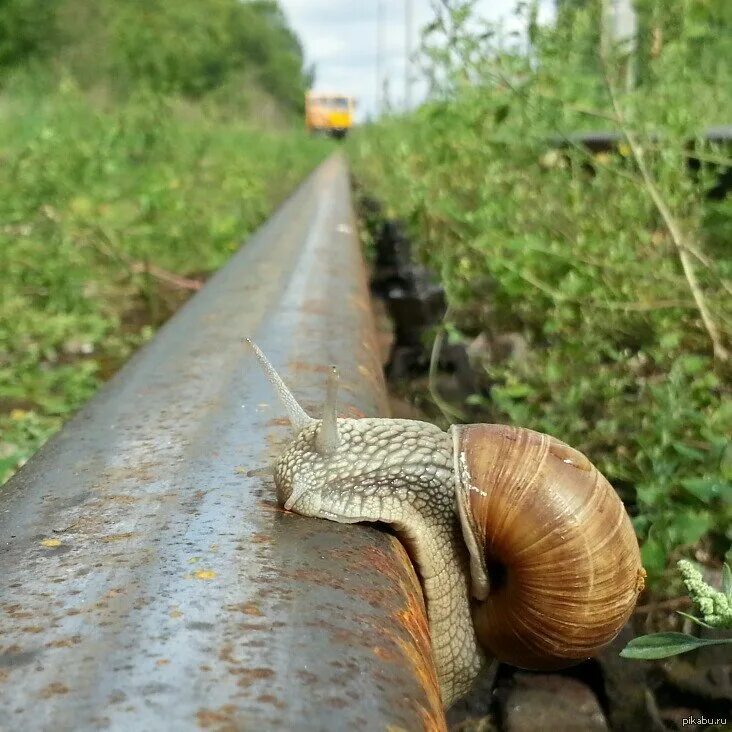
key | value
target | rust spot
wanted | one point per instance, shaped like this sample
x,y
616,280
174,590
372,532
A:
x,y
64,642
309,367
122,498
260,538
277,422
226,652
254,643
270,699
118,537
33,629
352,412
248,676
244,627
384,654
221,719
53,689
270,506
248,608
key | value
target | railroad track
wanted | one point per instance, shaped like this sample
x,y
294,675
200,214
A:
x,y
151,582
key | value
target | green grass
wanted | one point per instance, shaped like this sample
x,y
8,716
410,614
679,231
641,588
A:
x,y
92,194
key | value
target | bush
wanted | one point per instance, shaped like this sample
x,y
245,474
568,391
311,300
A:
x,y
614,267
187,47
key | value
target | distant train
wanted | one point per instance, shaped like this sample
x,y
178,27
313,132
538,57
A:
x,y
329,114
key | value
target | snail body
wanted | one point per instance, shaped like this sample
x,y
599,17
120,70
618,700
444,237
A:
x,y
524,551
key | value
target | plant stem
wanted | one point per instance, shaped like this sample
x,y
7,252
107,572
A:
x,y
683,249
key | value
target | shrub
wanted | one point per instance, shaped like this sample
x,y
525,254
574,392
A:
x,y
615,267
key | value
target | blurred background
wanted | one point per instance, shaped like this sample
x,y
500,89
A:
x,y
542,186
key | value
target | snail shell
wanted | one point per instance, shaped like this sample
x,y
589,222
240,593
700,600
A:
x,y
555,562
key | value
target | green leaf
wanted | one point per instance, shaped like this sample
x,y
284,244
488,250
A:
x,y
501,113
670,339
663,645
650,494
688,452
725,465
687,527
516,391
706,489
692,364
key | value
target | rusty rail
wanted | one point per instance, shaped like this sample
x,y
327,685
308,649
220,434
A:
x,y
602,141
150,581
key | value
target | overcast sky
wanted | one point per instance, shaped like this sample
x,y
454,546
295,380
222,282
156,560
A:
x,y
340,38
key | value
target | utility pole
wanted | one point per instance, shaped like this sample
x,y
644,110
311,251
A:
x,y
379,57
620,29
408,23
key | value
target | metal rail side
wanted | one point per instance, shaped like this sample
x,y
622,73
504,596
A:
x,y
149,579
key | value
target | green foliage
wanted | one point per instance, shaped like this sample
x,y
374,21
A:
x,y
714,606
90,199
27,28
193,47
625,303
188,47
662,645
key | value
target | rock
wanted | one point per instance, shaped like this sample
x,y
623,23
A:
x,y
511,347
400,408
474,711
484,724
484,350
708,678
677,718
549,703
626,687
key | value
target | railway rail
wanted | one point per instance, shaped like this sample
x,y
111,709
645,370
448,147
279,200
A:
x,y
149,579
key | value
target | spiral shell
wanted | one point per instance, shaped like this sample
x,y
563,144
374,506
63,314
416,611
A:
x,y
553,551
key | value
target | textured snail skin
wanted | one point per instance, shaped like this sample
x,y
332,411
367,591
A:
x,y
398,472
523,548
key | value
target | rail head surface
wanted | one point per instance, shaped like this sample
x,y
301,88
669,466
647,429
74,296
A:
x,y
149,579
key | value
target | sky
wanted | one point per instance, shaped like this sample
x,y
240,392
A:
x,y
340,38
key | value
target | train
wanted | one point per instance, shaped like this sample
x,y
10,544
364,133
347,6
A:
x,y
329,113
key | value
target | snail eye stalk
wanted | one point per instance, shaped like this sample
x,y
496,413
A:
x,y
298,417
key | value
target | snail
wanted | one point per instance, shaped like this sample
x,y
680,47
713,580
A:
x,y
524,551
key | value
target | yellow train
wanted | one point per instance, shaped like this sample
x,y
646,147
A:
x,y
329,114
